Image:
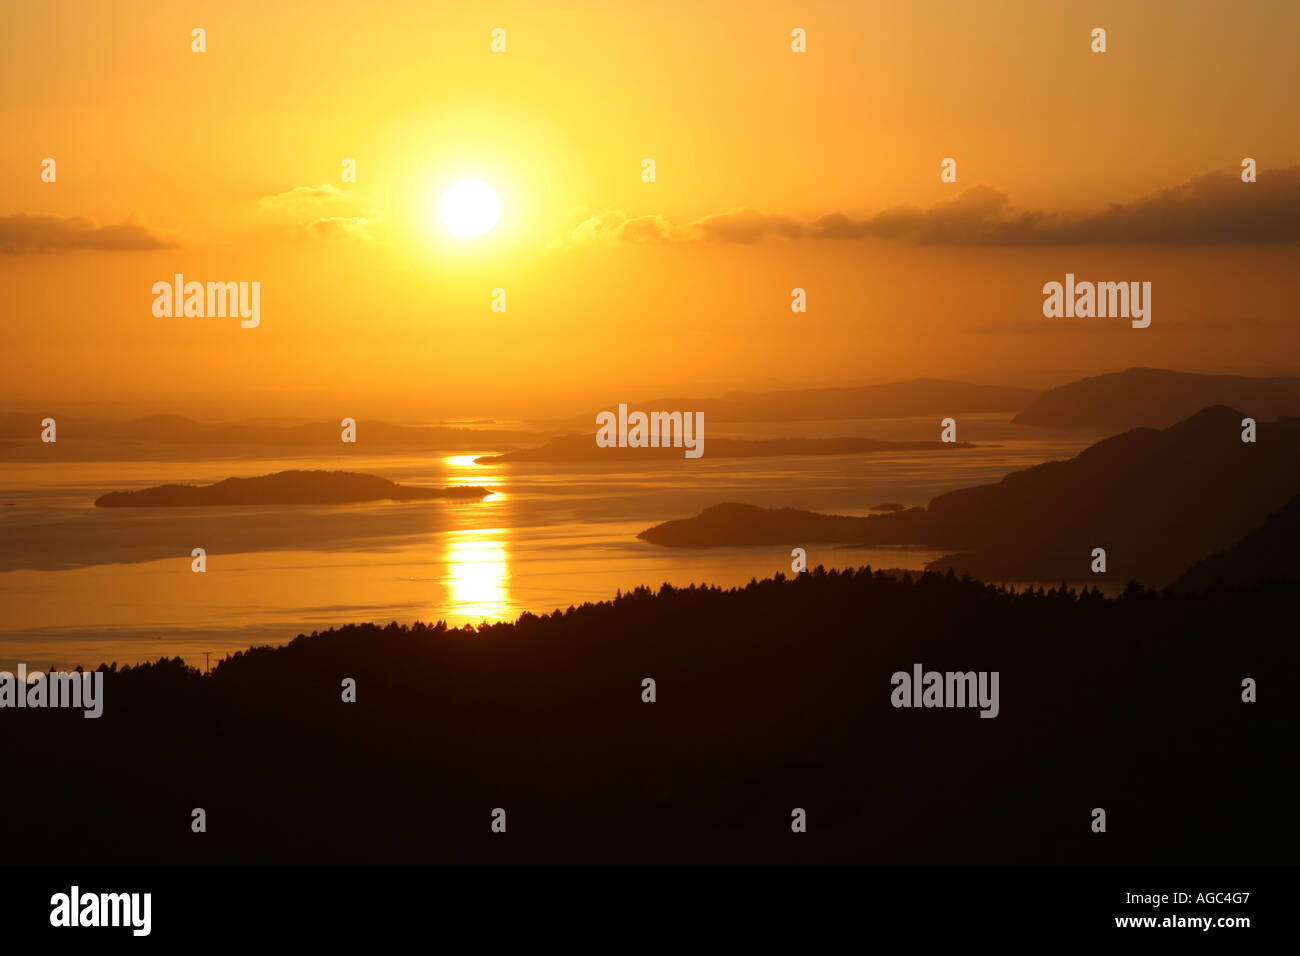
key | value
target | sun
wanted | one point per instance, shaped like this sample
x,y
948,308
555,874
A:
x,y
469,208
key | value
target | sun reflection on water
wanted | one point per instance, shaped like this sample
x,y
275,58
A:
x,y
461,470
478,574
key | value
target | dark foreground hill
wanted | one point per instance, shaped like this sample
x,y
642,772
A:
x,y
769,698
283,488
1157,398
1269,553
1155,501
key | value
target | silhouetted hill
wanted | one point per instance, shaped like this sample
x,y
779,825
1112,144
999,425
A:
x,y
1156,501
1157,398
733,523
1269,553
769,697
584,448
283,488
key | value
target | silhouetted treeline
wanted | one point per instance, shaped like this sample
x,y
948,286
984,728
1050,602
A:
x,y
770,697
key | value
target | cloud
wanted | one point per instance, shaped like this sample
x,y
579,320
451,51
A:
x,y
745,225
978,215
645,229
1214,208
613,226
742,226
342,227
26,235
301,197
320,212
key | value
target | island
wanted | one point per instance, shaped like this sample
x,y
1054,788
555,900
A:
x,y
1154,501
285,488
584,448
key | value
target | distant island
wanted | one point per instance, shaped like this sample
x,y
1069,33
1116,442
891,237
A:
x,y
921,397
733,523
584,448
1156,501
1158,398
284,488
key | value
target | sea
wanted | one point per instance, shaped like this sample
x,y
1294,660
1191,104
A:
x,y
81,585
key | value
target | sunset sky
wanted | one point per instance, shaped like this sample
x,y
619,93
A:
x,y
618,289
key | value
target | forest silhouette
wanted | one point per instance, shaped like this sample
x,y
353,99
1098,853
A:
x,y
769,697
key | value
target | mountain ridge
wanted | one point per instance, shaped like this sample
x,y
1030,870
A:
x,y
1155,500
1157,398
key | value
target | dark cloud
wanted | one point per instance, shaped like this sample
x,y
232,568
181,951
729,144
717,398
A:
x,y
1215,208
22,235
978,215
745,225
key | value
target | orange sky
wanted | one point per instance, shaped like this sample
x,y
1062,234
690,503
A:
x,y
389,315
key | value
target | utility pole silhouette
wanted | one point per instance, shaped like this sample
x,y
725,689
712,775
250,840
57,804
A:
x,y
205,661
